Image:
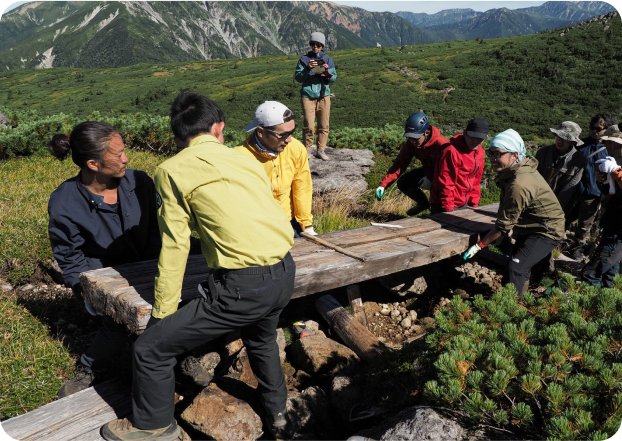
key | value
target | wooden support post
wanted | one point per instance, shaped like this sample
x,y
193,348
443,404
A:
x,y
354,335
356,303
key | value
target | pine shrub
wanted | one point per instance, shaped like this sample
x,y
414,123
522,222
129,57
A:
x,y
549,365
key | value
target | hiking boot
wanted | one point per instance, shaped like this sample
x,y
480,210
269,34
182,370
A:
x,y
417,209
320,154
577,254
83,379
122,430
275,424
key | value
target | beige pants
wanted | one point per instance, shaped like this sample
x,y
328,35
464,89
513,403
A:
x,y
311,109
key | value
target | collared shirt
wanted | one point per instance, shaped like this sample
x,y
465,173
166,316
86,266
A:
x,y
290,177
226,198
86,233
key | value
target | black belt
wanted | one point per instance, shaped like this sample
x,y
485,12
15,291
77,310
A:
x,y
252,270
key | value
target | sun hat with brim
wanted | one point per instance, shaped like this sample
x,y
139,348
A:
x,y
569,131
269,114
612,134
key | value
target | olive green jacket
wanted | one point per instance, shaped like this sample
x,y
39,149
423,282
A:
x,y
528,205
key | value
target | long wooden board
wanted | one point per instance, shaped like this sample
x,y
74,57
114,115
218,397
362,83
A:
x,y
76,417
126,292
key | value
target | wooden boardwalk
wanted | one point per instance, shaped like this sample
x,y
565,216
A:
x,y
126,292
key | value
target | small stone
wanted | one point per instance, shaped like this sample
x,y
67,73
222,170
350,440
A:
x,y
471,273
5,287
376,314
406,323
403,311
25,288
395,314
416,329
487,280
385,311
462,293
396,305
402,304
428,323
412,315
382,339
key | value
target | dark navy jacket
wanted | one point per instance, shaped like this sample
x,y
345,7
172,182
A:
x,y
86,233
589,187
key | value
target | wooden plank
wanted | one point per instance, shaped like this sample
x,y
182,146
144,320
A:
x,y
356,303
76,417
126,292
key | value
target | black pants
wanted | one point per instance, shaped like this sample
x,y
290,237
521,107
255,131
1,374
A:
x,y
605,264
235,300
408,184
527,252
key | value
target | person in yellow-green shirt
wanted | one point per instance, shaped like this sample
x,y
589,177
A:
x,y
245,236
285,161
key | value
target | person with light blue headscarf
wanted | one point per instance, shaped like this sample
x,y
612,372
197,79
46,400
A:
x,y
528,211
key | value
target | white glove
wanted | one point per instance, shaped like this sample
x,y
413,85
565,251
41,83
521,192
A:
x,y
311,231
471,252
425,184
607,165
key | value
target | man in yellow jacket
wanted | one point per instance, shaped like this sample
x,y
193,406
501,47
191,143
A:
x,y
227,199
285,161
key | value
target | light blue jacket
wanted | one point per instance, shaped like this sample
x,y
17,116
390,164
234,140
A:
x,y
312,84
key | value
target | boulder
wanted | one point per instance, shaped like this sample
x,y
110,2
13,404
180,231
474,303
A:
x,y
4,121
308,415
405,282
418,423
320,355
343,396
221,416
346,169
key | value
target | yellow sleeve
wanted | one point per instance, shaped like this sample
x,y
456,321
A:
x,y
176,222
302,190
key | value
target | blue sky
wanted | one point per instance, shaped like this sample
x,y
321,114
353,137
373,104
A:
x,y
429,6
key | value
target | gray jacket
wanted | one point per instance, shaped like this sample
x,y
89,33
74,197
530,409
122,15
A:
x,y
563,174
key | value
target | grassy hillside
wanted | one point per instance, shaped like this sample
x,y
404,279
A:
x,y
528,83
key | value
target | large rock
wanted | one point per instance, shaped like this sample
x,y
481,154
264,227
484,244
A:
x,y
344,395
221,416
346,169
405,282
308,415
418,423
317,354
4,121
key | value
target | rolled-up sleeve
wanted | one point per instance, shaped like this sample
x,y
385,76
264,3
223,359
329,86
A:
x,y
176,222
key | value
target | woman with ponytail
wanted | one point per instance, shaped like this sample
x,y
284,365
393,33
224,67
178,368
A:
x,y
104,216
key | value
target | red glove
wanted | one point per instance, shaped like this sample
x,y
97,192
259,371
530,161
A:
x,y
326,73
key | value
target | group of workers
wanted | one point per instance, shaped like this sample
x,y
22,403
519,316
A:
x,y
248,203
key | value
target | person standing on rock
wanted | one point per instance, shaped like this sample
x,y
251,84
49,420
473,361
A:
x,y
284,160
588,201
425,143
528,209
226,198
562,167
316,70
459,170
104,216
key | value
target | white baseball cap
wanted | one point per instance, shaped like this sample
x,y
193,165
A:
x,y
269,114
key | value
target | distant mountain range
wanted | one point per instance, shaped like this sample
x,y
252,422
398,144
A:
x,y
113,34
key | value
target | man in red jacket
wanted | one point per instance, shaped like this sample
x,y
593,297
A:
x,y
459,169
425,143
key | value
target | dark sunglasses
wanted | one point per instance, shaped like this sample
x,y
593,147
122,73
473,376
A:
x,y
598,129
315,43
282,135
495,155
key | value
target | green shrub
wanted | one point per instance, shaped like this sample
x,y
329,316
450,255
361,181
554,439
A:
x,y
550,363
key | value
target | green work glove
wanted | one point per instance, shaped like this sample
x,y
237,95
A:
x,y
471,252
379,193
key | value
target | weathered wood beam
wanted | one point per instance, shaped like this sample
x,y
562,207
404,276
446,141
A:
x,y
351,331
356,303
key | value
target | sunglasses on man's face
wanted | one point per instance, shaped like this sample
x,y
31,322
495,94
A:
x,y
495,155
281,135
315,44
598,129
